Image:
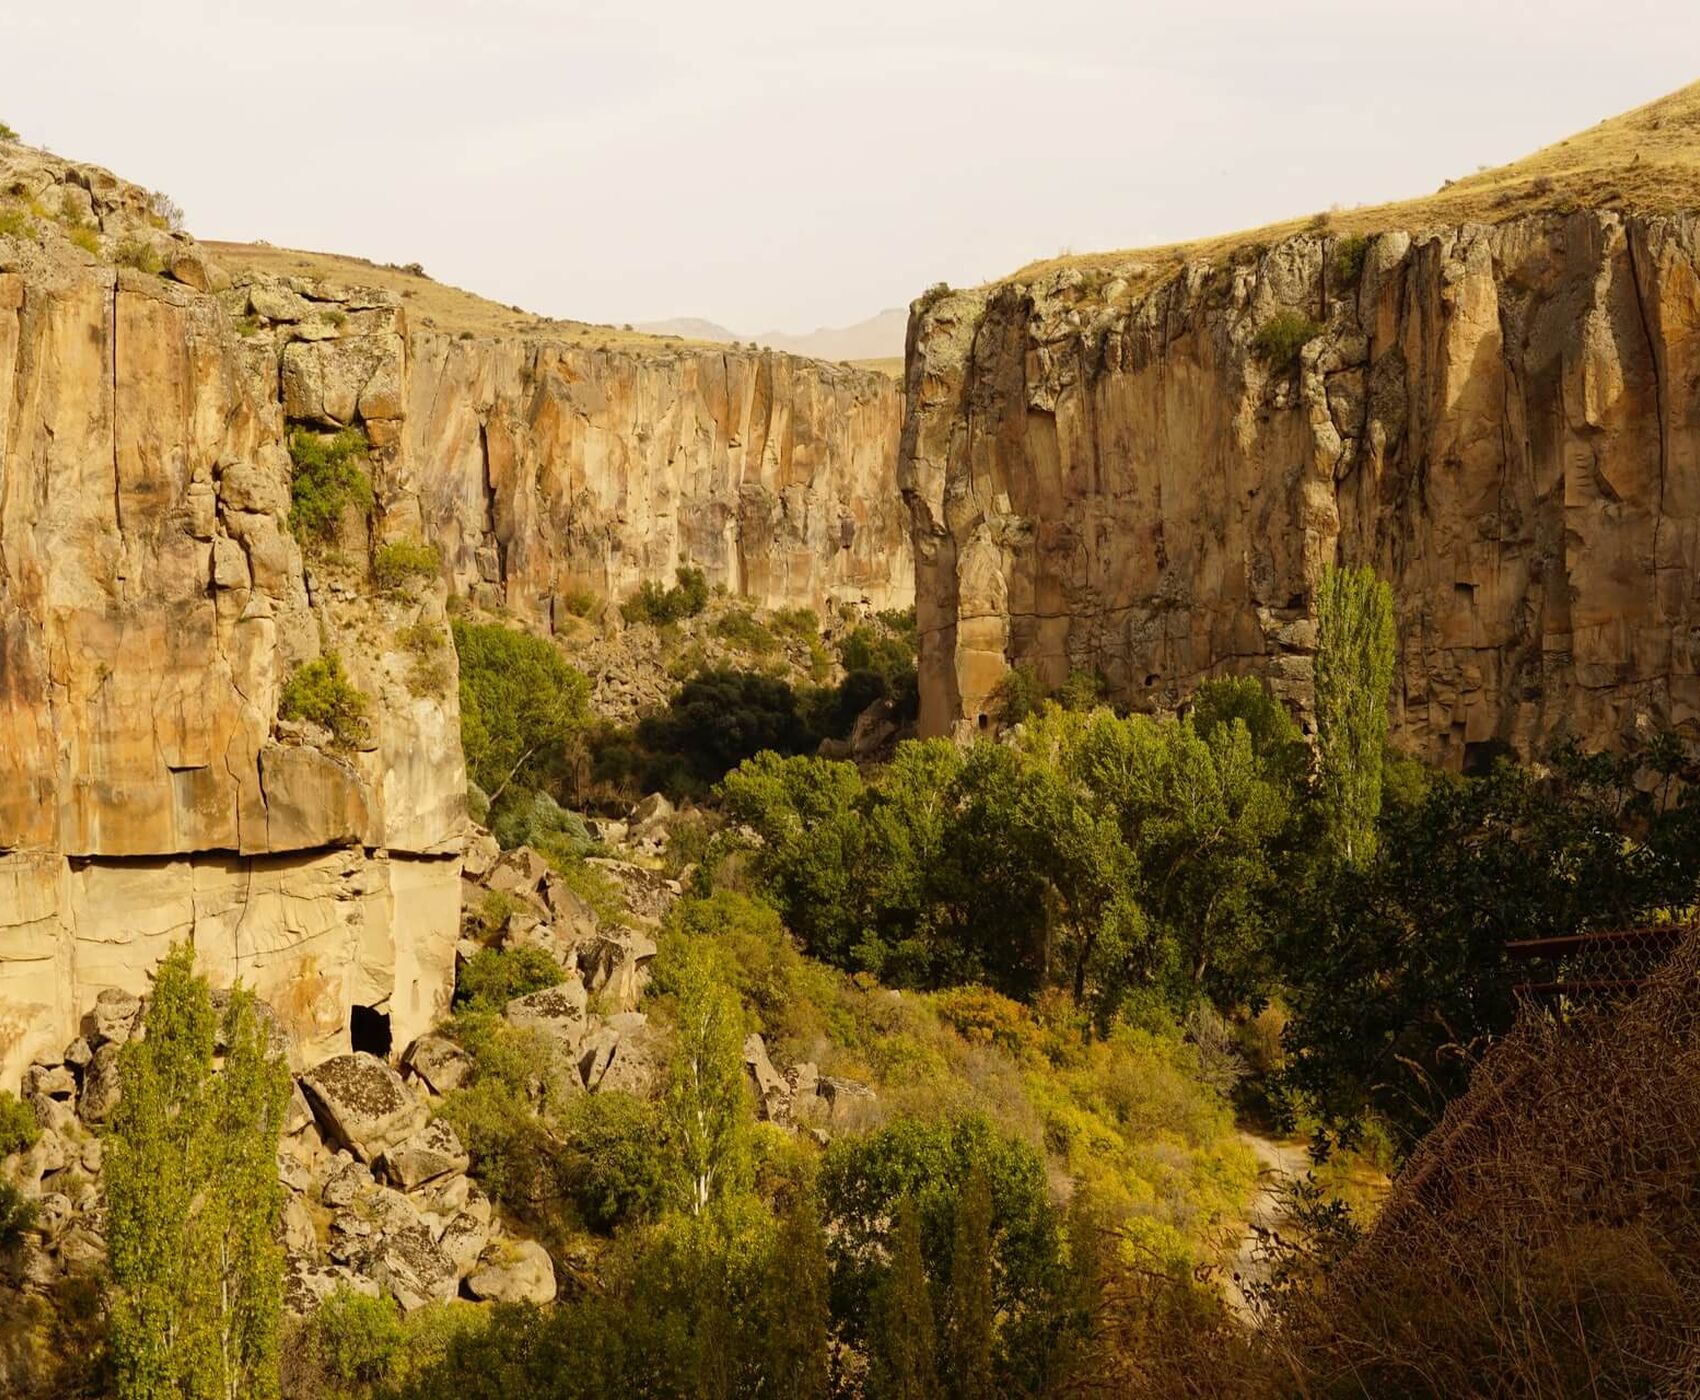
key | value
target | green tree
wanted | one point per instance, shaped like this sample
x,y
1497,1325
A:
x,y
1354,674
194,1200
796,1329
970,1310
520,706
707,1100
903,1365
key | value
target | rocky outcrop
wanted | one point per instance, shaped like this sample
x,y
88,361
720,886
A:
x,y
1121,469
153,605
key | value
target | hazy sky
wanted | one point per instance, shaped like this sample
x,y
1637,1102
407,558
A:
x,y
788,165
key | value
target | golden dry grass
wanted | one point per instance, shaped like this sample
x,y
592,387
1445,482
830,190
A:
x,y
888,364
1646,161
450,309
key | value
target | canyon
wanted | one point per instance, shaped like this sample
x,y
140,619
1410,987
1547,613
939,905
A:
x,y
1132,465
1137,465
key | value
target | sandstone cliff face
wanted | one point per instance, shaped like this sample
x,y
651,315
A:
x,y
154,602
1504,420
152,605
544,470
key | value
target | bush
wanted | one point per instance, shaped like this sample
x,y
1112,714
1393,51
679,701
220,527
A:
x,y
1019,695
657,605
15,223
616,1173
18,1126
801,623
931,297
17,1215
400,564
328,478
85,238
355,1339
716,721
535,819
580,602
492,978
742,630
320,693
139,254
1278,342
1349,254
7,133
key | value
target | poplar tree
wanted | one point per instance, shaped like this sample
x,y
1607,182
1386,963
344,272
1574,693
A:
x,y
193,1199
903,1341
1354,674
799,1314
969,1307
707,1100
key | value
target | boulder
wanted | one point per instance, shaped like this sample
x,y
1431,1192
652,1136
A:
x,y
114,1017
411,1267
558,1011
623,1055
481,855
847,1100
615,965
513,1271
650,818
463,1240
438,1062
648,893
520,869
55,1081
344,1184
434,1151
362,1104
772,1093
100,1085
306,1284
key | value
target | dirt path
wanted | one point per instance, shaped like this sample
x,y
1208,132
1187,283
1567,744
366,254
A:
x,y
1277,1164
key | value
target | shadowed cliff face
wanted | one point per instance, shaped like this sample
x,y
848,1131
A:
x,y
1108,470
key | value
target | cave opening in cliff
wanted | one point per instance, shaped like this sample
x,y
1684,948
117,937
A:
x,y
369,1030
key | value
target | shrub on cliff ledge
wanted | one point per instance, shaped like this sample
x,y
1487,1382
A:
x,y
1279,341
400,564
6,133
328,479
321,693
657,605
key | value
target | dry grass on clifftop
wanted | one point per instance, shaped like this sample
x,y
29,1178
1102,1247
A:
x,y
1644,162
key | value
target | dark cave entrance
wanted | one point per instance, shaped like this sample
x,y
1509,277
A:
x,y
369,1030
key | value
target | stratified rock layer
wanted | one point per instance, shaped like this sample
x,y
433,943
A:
x,y
1107,472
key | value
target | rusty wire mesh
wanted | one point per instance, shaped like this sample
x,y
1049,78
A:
x,y
1543,1239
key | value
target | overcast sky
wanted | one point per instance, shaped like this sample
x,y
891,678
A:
x,y
785,164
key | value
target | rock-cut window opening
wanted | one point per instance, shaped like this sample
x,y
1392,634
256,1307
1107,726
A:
x,y
369,1030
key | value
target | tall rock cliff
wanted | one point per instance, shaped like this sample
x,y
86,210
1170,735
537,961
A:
x,y
549,460
1139,464
154,601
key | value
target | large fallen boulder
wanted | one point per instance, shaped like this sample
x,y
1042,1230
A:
x,y
362,1104
559,1012
513,1271
432,1152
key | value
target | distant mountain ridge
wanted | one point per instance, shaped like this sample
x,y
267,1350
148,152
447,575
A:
x,y
878,337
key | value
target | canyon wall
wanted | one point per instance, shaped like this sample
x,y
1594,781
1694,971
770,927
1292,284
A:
x,y
154,600
1118,468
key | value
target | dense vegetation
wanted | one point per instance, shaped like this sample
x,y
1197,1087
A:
x,y
1065,956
